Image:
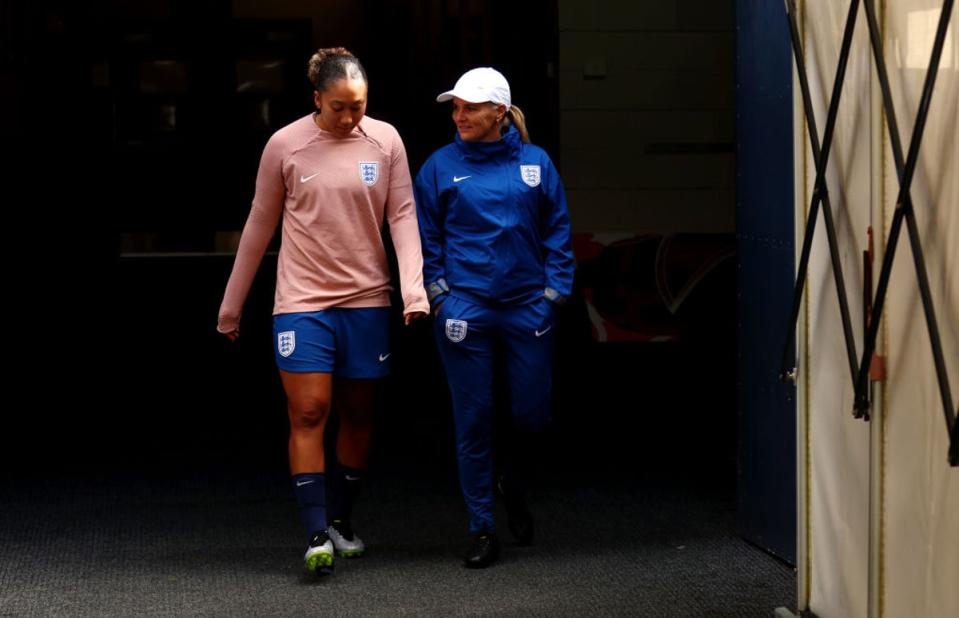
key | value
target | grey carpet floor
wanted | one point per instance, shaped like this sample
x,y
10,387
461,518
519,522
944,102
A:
x,y
218,546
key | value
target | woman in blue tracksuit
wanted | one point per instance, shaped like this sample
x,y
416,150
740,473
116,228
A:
x,y
498,262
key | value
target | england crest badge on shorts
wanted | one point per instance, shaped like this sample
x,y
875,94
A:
x,y
456,330
530,174
286,343
369,172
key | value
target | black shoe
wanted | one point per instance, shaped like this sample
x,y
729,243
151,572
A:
x,y
483,552
519,519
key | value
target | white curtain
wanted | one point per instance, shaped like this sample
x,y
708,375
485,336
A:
x,y
920,492
918,560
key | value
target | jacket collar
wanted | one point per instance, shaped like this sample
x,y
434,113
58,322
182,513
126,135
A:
x,y
507,146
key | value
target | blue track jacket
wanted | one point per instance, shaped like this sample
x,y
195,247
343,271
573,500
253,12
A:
x,y
494,223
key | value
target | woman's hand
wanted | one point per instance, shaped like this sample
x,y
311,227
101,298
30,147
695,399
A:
x,y
409,318
228,326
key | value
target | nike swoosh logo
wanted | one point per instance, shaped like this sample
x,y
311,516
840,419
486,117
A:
x,y
383,357
308,178
540,333
306,482
352,478
459,178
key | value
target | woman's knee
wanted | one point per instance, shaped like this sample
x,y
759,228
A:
x,y
356,418
309,415
473,435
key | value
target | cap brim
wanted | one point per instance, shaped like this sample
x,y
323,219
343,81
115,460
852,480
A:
x,y
449,94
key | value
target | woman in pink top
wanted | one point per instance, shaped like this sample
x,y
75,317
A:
x,y
332,178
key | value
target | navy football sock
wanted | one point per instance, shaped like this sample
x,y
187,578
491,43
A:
x,y
310,491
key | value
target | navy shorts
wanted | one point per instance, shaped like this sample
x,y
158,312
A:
x,y
349,343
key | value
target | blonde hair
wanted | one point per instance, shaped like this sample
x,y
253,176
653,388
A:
x,y
518,119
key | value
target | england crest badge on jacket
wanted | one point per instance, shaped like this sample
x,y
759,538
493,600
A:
x,y
530,174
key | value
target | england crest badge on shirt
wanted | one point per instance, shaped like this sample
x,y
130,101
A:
x,y
286,343
369,172
456,330
530,174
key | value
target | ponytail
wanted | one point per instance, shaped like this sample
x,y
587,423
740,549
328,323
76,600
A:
x,y
518,118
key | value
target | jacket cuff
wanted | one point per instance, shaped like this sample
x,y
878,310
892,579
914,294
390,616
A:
x,y
554,297
436,289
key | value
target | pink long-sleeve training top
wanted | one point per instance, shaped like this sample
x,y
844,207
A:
x,y
333,193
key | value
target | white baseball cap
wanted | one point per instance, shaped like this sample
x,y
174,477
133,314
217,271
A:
x,y
479,86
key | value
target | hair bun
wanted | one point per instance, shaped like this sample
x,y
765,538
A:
x,y
325,52
329,62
